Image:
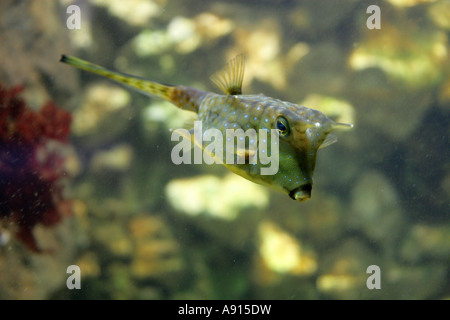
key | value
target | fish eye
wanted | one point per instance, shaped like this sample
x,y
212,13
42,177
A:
x,y
282,126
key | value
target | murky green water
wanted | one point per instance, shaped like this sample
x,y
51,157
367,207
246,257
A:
x,y
138,226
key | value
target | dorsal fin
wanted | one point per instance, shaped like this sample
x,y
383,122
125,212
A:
x,y
230,78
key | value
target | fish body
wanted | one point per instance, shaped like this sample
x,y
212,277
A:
x,y
299,131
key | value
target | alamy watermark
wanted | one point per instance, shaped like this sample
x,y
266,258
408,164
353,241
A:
x,y
74,280
255,150
73,21
374,21
374,280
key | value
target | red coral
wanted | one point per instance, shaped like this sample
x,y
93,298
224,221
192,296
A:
x,y
31,164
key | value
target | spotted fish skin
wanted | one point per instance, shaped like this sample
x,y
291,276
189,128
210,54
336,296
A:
x,y
301,131
297,153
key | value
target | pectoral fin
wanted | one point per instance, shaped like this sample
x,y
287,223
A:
x,y
329,140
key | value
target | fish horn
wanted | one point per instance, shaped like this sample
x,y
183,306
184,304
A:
x,y
341,125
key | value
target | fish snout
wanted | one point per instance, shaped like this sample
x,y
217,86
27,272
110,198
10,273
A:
x,y
301,193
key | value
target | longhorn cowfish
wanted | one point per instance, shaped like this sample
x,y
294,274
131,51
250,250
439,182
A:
x,y
300,131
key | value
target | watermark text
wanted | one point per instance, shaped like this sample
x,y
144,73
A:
x,y
237,151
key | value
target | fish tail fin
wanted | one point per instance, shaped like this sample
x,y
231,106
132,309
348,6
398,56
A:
x,y
186,98
142,85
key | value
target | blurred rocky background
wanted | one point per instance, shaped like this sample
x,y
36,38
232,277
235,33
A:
x,y
144,228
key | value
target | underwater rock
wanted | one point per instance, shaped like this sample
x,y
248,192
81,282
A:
x,y
408,3
417,282
151,42
269,285
220,207
439,12
375,208
265,59
122,286
321,73
426,242
144,226
188,34
444,96
262,53
407,55
115,238
5,236
117,159
182,35
397,67
154,259
37,276
345,276
211,26
103,104
281,253
163,114
380,105
89,265
316,19
134,12
33,36
342,271
156,254
221,198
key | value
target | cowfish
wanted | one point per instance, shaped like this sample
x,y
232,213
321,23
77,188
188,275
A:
x,y
300,131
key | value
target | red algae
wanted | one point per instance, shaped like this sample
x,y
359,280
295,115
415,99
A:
x,y
31,164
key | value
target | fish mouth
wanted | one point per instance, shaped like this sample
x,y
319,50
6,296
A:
x,y
301,193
